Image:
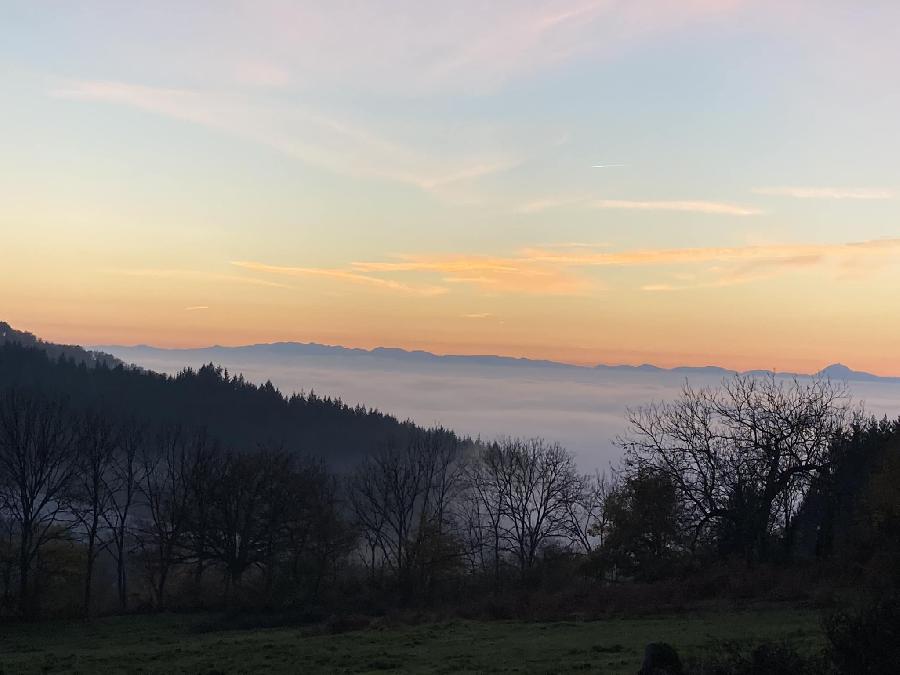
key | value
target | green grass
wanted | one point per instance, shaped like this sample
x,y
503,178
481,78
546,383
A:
x,y
171,644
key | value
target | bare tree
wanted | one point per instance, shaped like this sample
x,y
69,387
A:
x,y
122,486
368,497
438,454
537,480
36,465
206,470
587,520
8,559
167,469
520,496
90,496
483,510
401,498
240,522
307,534
740,455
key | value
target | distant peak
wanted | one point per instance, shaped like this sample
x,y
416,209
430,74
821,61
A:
x,y
839,371
835,368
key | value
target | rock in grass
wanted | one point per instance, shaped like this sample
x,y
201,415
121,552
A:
x,y
660,658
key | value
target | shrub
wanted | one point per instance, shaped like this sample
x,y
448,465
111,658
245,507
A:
x,y
764,658
867,640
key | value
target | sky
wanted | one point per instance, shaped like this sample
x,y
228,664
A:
x,y
680,183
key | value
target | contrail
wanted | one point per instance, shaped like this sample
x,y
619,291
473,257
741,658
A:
x,y
603,166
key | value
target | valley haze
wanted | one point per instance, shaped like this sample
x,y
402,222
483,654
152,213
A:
x,y
582,407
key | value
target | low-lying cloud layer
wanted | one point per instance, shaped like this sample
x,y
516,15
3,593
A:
x,y
582,408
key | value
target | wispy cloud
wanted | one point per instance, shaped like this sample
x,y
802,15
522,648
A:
x,y
686,206
564,271
852,260
526,39
489,274
826,192
315,137
333,57
568,245
789,253
197,275
719,208
341,275
506,40
719,276
412,48
538,205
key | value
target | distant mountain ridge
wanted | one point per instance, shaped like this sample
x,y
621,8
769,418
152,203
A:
x,y
836,371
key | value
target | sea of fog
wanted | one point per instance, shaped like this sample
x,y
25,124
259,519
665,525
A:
x,y
582,408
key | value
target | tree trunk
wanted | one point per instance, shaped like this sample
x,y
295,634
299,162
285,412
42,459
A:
x,y
121,581
89,571
496,562
88,578
161,586
24,569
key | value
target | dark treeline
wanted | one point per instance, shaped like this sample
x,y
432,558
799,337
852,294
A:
x,y
122,490
8,334
80,493
228,406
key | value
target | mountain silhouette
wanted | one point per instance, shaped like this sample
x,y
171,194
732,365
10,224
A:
x,y
350,355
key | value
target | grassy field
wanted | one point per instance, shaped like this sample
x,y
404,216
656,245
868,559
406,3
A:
x,y
181,644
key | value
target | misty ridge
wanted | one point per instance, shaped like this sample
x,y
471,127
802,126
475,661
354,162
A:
x,y
582,407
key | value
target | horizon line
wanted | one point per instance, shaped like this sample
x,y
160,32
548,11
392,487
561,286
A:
x,y
527,359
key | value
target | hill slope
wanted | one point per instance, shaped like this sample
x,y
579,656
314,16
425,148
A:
x,y
239,413
8,334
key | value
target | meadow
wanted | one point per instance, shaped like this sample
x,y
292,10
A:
x,y
206,644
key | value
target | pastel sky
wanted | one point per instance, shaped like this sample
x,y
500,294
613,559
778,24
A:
x,y
677,182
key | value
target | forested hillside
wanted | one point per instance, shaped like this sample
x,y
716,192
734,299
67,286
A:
x,y
8,334
239,413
